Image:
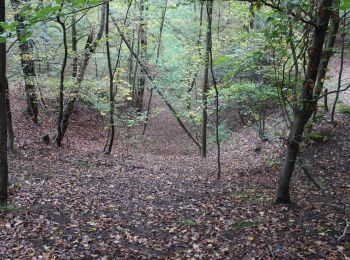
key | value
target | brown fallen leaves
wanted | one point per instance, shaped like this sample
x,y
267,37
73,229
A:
x,y
162,201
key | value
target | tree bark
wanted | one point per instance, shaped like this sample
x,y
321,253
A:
x,y
27,61
3,114
307,101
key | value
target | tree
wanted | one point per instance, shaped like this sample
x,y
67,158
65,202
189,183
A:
x,y
206,78
90,47
308,100
3,112
111,86
27,60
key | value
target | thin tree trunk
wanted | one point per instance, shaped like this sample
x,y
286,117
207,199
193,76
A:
x,y
206,79
10,133
74,48
111,94
143,39
60,131
27,61
308,103
3,114
217,104
340,76
326,109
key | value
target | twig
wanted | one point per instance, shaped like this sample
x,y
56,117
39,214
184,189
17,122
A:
x,y
345,230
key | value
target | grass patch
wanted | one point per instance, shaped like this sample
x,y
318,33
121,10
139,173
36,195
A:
x,y
243,223
189,222
344,109
80,163
9,208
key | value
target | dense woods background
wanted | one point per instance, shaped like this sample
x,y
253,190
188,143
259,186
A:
x,y
174,129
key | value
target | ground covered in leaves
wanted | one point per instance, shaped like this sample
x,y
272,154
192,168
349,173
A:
x,y
156,198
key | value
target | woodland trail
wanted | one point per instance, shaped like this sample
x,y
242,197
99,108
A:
x,y
160,200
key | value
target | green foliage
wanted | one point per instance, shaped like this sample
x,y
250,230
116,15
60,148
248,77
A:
x,y
344,109
243,224
345,4
9,208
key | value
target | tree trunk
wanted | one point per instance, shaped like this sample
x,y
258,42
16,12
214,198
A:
x,y
143,39
74,48
307,100
206,78
10,133
111,91
3,114
340,76
60,131
27,61
328,51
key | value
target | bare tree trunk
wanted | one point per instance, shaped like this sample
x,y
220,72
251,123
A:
x,y
111,91
307,100
325,100
217,101
10,133
74,48
143,38
27,61
90,47
3,114
60,131
206,79
340,76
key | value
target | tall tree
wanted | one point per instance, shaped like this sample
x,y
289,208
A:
x,y
206,78
308,100
60,131
10,133
143,51
74,48
111,88
27,60
3,112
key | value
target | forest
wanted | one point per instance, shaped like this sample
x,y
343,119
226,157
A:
x,y
174,129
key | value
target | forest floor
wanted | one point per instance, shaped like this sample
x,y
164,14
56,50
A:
x,y
155,198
